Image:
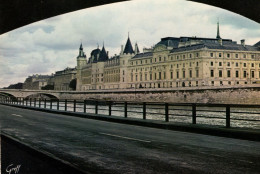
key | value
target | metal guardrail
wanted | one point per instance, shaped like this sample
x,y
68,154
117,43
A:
x,y
167,110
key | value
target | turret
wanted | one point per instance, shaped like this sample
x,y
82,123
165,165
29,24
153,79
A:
x,y
81,59
128,47
136,49
218,33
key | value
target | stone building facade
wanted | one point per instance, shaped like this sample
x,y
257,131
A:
x,y
36,82
171,63
61,79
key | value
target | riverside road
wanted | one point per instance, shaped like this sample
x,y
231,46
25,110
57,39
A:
x,y
105,147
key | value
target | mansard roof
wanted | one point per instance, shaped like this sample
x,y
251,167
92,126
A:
x,y
215,45
169,42
257,44
94,55
128,47
147,54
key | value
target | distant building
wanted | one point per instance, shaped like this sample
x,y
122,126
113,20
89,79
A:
x,y
173,62
62,79
36,82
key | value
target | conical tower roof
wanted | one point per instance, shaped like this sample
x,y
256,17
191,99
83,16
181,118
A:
x,y
128,47
103,55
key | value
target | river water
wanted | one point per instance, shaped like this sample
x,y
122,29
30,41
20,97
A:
x,y
240,117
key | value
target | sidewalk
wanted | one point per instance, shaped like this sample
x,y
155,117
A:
x,y
239,133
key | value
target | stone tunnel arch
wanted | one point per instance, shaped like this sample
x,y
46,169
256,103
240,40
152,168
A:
x,y
7,95
42,95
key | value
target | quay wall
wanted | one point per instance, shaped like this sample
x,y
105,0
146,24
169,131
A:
x,y
246,95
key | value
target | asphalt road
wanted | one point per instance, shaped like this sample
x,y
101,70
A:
x,y
105,147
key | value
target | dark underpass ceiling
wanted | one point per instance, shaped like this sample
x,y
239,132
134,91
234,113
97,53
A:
x,y
17,13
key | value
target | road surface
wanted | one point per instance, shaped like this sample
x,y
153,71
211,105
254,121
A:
x,y
105,147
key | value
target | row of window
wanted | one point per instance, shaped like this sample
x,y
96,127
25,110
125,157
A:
x,y
237,64
245,74
228,55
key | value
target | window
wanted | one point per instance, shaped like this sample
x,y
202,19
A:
x,y
164,75
228,73
155,76
177,65
190,55
135,77
183,64
236,55
221,83
197,83
211,54
228,64
197,73
123,72
244,55
190,73
252,65
228,55
252,74
177,74
219,55
211,63
183,74
197,54
190,64
237,74
220,73
212,83
151,76
220,63
244,74
229,82
145,77
236,64
197,63
244,64
141,77
183,56
160,75
171,75
211,73
154,59
160,59
252,56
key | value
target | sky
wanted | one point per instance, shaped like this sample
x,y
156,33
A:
x,y
51,45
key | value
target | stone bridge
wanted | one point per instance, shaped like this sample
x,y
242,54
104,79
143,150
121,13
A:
x,y
223,95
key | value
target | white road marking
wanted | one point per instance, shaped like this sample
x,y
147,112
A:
x,y
17,115
128,138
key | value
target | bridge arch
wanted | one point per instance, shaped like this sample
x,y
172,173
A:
x,y
6,94
42,95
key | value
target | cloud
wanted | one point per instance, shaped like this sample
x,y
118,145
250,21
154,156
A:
x,y
52,44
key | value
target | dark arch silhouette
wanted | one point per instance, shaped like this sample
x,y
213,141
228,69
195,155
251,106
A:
x,y
4,94
17,13
41,95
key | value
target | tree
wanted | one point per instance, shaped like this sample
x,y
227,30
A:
x,y
48,87
73,84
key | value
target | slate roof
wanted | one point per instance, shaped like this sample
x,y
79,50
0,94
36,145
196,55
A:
x,y
128,47
257,44
103,55
147,54
169,42
225,46
94,55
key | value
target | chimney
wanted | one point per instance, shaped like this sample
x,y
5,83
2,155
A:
x,y
220,41
122,49
243,42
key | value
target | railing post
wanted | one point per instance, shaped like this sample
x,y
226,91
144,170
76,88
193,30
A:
x,y
45,103
96,107
39,102
23,101
110,108
144,110
34,102
84,107
30,101
125,109
58,104
194,114
50,103
26,102
166,112
228,116
65,107
74,105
